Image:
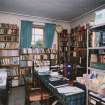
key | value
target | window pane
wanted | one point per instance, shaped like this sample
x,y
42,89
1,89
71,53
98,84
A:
x,y
37,37
39,31
33,30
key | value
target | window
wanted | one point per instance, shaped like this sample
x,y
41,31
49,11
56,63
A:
x,y
37,37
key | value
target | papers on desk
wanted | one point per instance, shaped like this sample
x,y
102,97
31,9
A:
x,y
44,70
3,79
69,90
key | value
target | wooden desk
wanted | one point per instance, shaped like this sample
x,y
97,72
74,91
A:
x,y
74,99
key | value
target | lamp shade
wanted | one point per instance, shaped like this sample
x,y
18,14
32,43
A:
x,y
59,28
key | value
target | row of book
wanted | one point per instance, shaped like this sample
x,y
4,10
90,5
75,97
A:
x,y
26,63
12,45
8,31
13,72
4,25
38,50
42,63
8,39
26,57
9,61
95,58
97,39
9,53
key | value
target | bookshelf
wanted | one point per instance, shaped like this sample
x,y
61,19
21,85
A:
x,y
63,47
42,57
45,57
26,60
96,65
9,51
78,50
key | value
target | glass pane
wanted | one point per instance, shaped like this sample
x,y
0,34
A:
x,y
37,37
39,31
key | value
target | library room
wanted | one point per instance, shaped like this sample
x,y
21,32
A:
x,y
52,52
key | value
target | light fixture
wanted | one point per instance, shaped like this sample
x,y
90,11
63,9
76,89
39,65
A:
x,y
59,28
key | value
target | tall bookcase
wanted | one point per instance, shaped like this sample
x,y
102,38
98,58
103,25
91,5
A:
x,y
78,50
63,47
96,65
9,51
26,58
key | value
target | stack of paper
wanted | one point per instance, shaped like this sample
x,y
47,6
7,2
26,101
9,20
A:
x,y
69,90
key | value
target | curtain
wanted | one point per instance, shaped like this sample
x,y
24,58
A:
x,y
49,34
26,34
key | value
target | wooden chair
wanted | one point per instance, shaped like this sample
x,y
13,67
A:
x,y
33,94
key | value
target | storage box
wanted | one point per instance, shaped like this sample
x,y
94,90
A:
x,y
100,17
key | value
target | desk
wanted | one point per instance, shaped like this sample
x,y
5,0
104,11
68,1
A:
x,y
74,99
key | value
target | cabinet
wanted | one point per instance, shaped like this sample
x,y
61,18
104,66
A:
x,y
9,51
78,50
96,65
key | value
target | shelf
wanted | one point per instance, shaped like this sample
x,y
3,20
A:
x,y
10,41
97,96
97,70
8,49
26,67
9,28
96,48
8,56
8,65
26,60
98,27
1,35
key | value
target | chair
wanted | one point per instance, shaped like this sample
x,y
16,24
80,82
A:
x,y
34,94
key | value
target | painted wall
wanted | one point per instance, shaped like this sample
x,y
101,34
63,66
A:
x,y
86,18
83,20
16,18
12,18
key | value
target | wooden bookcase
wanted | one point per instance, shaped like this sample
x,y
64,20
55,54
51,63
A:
x,y
78,50
9,51
63,47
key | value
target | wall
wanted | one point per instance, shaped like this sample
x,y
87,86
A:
x,y
13,18
86,18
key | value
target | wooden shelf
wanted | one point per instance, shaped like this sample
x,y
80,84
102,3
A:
x,y
1,35
96,48
8,65
9,56
8,49
9,28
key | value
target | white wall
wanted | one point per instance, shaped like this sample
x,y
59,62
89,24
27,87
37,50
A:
x,y
86,18
13,18
83,20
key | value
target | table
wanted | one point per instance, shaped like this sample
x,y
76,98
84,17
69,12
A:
x,y
74,99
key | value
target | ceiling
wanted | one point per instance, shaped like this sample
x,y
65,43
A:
x,y
55,9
